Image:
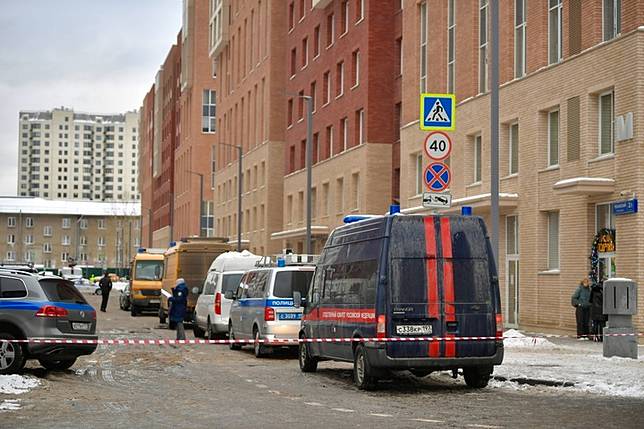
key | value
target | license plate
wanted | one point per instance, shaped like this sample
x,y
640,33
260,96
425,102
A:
x,y
289,316
80,326
154,301
414,329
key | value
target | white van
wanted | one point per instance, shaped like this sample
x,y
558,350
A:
x,y
212,309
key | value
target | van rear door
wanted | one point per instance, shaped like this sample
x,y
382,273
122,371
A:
x,y
440,285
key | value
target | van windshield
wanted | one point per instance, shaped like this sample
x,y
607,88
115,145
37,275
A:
x,y
230,282
148,270
287,282
59,290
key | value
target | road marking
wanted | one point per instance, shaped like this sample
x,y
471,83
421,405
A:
x,y
343,410
428,421
484,426
380,415
314,404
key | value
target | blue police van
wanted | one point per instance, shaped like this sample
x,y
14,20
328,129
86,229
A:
x,y
400,276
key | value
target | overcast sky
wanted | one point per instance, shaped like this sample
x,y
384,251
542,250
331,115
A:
x,y
92,55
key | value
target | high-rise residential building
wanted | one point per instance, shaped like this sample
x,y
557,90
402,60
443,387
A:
x,y
248,55
571,109
56,233
78,156
345,55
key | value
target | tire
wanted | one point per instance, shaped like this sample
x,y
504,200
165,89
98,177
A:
x,y
197,331
98,292
258,348
134,311
162,317
231,336
307,362
57,365
362,372
210,335
477,377
12,355
121,306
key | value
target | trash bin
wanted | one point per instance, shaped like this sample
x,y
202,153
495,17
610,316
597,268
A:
x,y
620,305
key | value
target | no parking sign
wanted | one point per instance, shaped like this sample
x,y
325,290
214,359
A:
x,y
437,176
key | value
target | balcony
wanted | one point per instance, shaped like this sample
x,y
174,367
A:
x,y
218,27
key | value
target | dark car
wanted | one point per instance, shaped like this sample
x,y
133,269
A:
x,y
406,276
35,307
125,298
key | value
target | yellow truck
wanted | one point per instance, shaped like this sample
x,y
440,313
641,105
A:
x,y
146,273
189,259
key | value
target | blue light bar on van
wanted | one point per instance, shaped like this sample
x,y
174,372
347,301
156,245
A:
x,y
356,218
466,211
172,244
394,208
140,250
281,262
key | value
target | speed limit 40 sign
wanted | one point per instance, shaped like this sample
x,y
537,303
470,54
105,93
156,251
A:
x,y
438,146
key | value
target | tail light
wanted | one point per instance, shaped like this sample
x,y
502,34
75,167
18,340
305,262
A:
x,y
218,303
380,328
52,311
269,314
499,326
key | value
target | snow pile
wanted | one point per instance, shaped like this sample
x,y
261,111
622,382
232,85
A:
x,y
10,405
515,339
17,384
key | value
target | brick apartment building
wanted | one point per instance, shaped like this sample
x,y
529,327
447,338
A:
x,y
247,47
346,56
571,114
146,137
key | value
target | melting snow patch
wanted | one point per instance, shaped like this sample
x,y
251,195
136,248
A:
x,y
515,339
10,405
17,384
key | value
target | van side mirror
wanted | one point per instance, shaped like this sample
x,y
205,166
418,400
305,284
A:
x,y
297,299
229,295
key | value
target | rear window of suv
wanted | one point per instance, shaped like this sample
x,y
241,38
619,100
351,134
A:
x,y
287,282
61,291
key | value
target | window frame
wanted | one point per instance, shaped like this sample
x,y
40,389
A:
x,y
612,122
477,155
549,262
483,47
558,9
451,46
616,28
512,149
520,27
423,38
549,149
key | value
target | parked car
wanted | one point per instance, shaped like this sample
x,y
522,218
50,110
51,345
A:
x,y
263,306
125,300
34,307
213,308
406,276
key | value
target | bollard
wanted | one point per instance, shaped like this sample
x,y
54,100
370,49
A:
x,y
620,304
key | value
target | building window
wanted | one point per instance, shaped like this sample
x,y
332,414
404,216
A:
x,y
11,255
512,235
399,56
289,114
301,11
209,114
29,239
46,231
555,8
513,146
359,10
11,222
305,52
207,219
329,140
422,13
64,257
451,44
604,218
327,88
483,36
477,158
46,248
313,97
360,126
344,127
339,195
300,105
289,209
83,223
355,190
325,199
101,241
420,173
606,114
11,239
66,241
339,84
355,62
101,224
291,16
553,240
553,138
612,18
293,61
29,222
66,223
345,17
330,30
83,240
519,38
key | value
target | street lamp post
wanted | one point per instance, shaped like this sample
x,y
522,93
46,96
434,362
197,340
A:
x,y
494,128
239,192
200,200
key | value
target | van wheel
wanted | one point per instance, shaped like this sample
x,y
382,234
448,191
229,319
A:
x,y
197,331
258,347
477,377
231,336
57,365
133,310
210,335
308,363
162,317
12,356
362,372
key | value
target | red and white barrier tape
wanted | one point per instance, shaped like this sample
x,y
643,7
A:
x,y
284,341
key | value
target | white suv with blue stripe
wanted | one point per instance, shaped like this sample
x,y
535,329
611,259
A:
x,y
263,306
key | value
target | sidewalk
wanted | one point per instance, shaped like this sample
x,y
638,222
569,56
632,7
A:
x,y
540,363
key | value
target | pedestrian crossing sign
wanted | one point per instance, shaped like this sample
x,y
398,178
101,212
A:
x,y
437,112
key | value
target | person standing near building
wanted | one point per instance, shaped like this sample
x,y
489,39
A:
x,y
106,287
597,310
581,301
178,303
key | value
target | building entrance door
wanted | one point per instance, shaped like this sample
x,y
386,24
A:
x,y
512,271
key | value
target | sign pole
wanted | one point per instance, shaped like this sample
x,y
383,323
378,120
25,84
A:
x,y
494,129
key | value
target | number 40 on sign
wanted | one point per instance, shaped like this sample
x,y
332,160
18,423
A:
x,y
438,146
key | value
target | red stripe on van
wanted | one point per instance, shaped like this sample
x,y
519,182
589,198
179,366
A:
x,y
448,283
432,279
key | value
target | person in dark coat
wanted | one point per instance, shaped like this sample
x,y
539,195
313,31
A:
x,y
178,303
581,301
105,283
597,311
